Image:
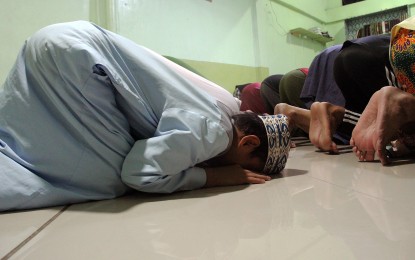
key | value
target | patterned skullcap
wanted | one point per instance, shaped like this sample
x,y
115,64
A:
x,y
278,142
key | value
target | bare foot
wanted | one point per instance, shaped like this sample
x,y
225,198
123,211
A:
x,y
297,117
387,112
324,120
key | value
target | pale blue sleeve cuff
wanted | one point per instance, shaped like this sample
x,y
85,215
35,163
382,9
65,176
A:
x,y
196,178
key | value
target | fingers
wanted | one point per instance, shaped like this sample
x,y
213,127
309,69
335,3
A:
x,y
255,178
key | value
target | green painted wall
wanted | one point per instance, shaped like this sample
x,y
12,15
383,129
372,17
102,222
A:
x,y
20,18
230,42
278,49
229,75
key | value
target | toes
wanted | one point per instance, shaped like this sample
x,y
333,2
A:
x,y
333,147
355,151
361,155
352,143
370,156
382,157
364,156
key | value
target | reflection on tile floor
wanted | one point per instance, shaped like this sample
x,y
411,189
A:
x,y
323,207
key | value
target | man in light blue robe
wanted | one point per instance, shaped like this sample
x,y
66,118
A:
x,y
86,114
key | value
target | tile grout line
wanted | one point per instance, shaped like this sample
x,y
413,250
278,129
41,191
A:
x,y
24,242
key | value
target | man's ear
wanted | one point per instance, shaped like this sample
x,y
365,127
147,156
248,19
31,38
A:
x,y
249,142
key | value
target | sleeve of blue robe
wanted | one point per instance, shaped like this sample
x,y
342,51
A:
x,y
166,162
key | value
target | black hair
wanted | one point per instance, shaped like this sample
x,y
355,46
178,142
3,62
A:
x,y
250,124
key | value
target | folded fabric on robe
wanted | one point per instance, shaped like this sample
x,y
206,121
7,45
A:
x,y
86,114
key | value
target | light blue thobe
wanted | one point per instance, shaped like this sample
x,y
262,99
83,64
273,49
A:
x,y
86,114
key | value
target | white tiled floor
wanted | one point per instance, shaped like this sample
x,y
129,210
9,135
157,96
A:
x,y
325,207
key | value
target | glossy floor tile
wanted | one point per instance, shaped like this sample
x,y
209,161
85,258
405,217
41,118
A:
x,y
17,228
323,207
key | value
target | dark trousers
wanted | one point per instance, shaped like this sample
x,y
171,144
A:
x,y
359,71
